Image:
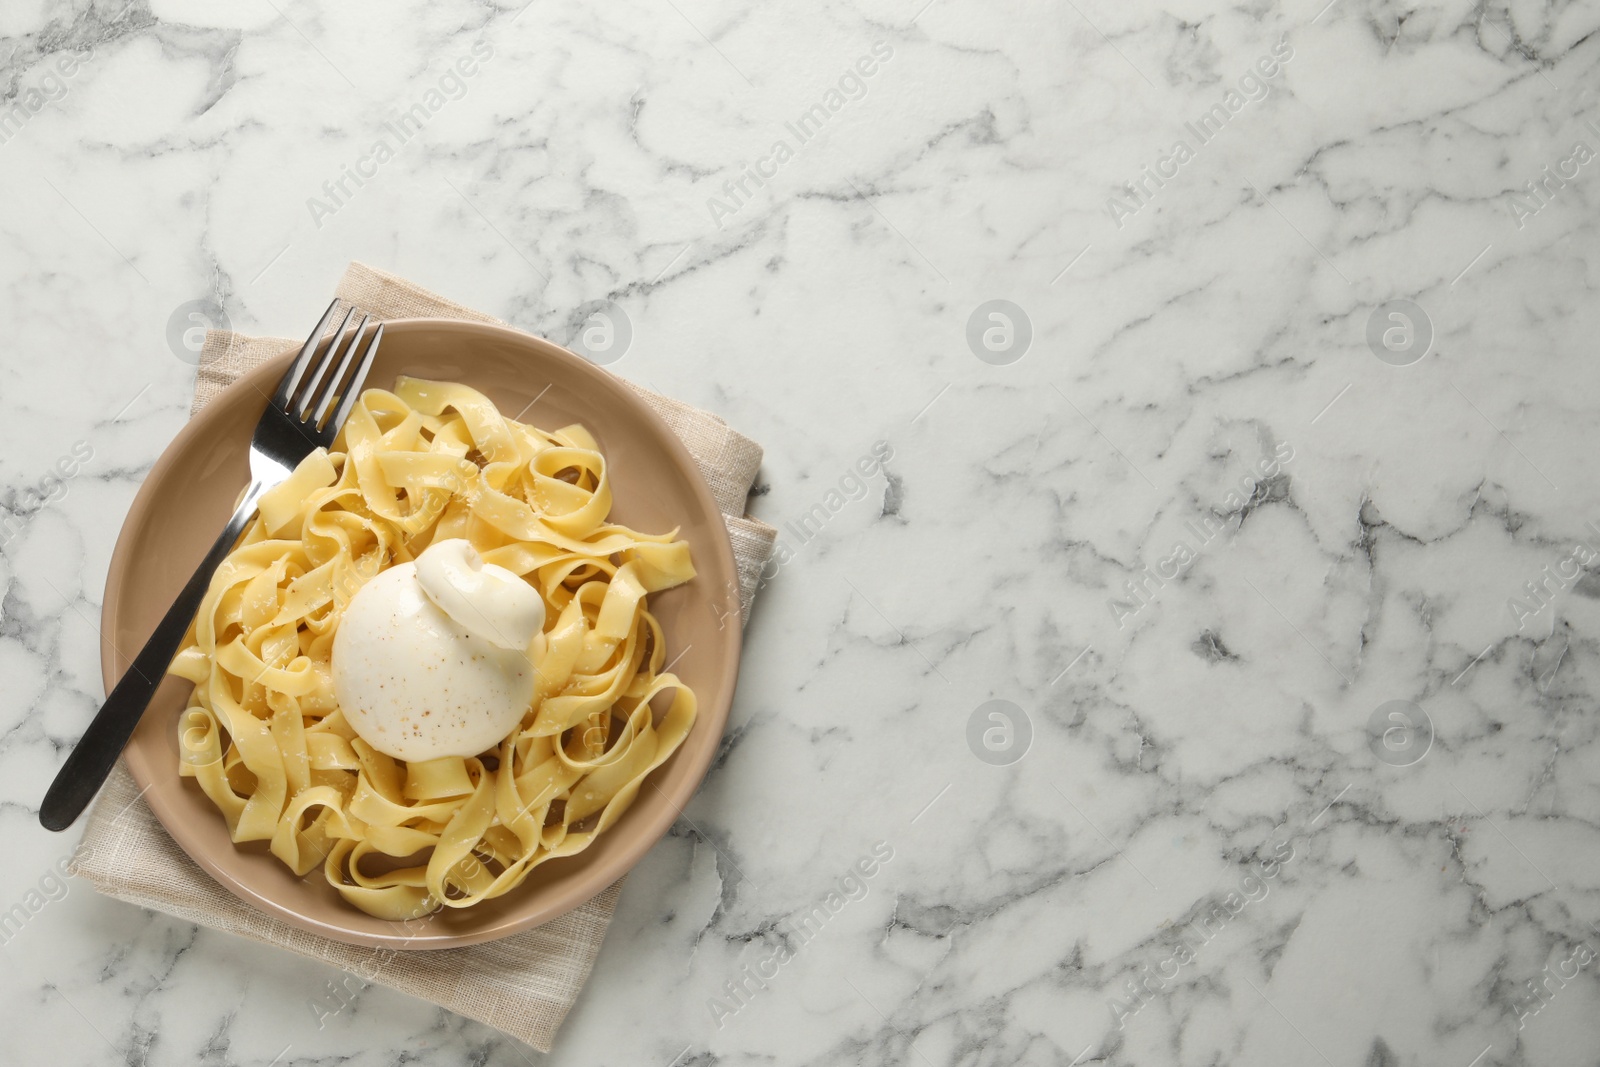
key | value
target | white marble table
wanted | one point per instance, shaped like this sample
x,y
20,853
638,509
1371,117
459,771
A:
x,y
1173,507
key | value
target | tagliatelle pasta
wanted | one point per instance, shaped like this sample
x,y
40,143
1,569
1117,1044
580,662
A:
x,y
263,734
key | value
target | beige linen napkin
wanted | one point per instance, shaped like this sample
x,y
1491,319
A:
x,y
524,984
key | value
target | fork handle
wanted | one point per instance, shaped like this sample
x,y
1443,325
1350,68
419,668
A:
x,y
86,768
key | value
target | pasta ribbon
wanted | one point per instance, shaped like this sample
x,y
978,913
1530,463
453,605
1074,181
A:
x,y
263,735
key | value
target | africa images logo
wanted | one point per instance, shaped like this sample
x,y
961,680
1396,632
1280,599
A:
x,y
1254,86
396,133
1141,590
851,87
795,932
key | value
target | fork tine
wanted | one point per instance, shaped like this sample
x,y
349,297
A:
x,y
338,375
299,410
356,380
291,378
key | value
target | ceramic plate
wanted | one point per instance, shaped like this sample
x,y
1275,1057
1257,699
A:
x,y
190,493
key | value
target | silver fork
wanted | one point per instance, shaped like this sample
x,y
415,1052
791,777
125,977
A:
x,y
291,428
